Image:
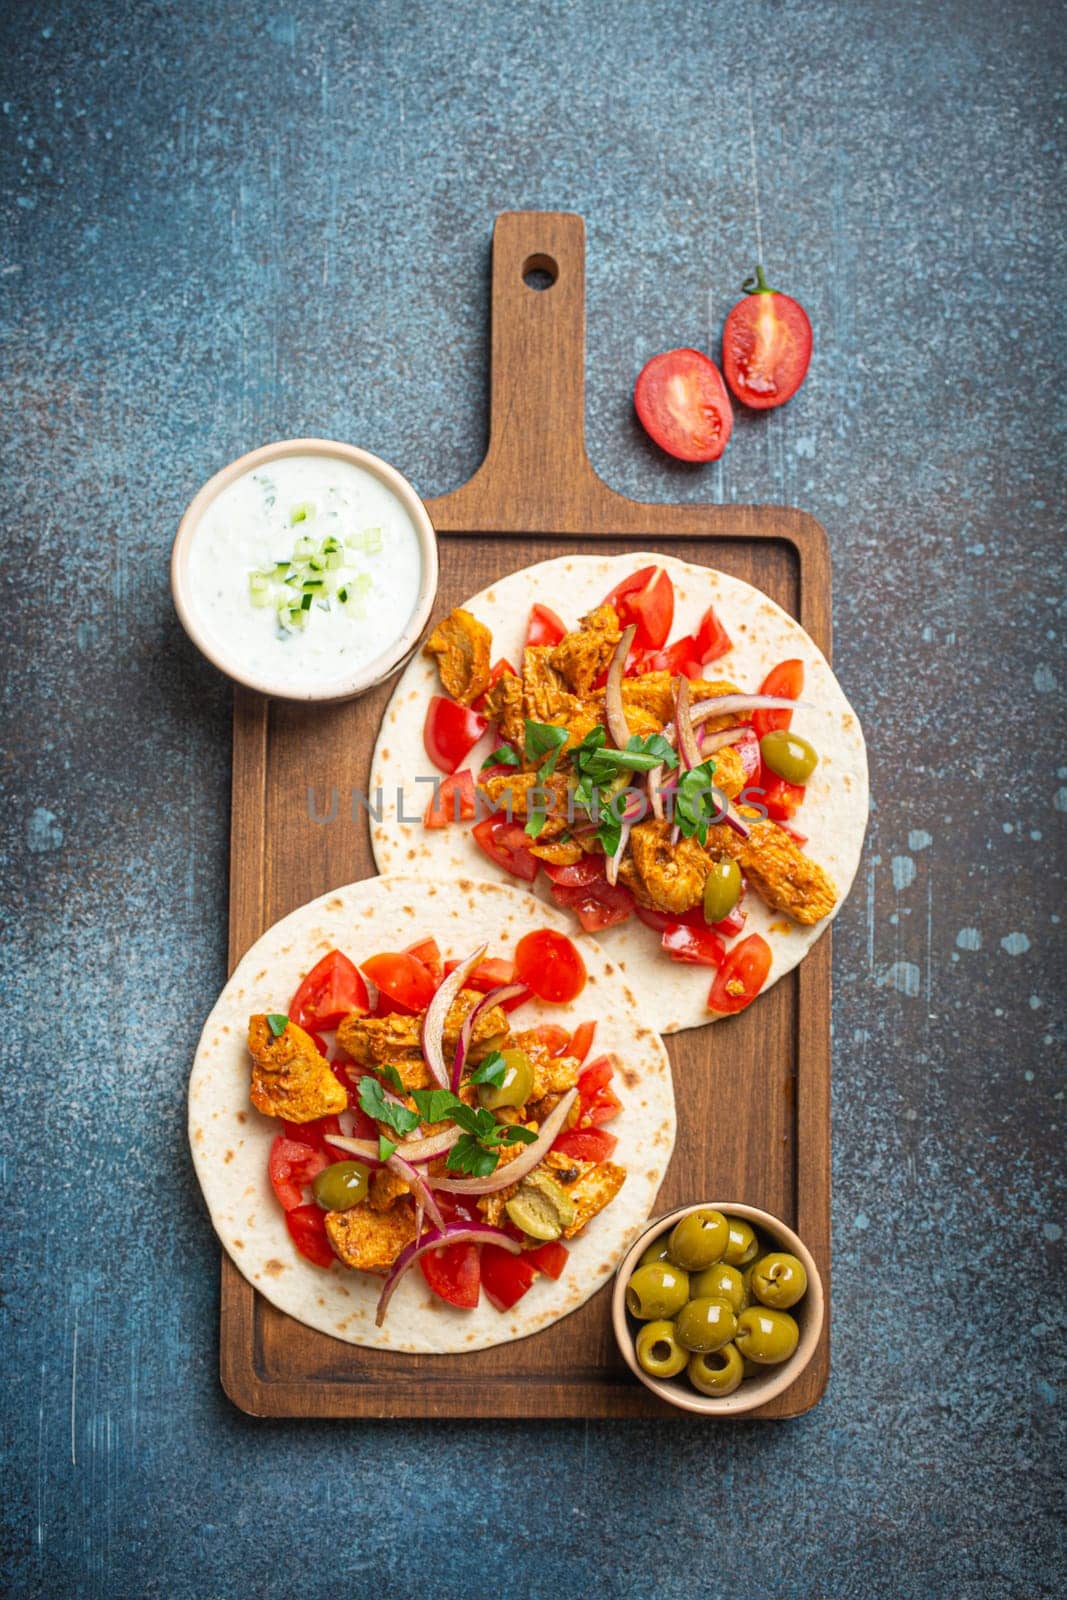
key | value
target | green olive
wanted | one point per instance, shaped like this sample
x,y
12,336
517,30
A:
x,y
766,1336
705,1325
514,1088
656,1291
722,890
742,1246
341,1186
779,1280
658,1351
720,1282
699,1240
716,1372
790,756
656,1251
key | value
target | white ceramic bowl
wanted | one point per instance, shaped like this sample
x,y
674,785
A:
x,y
752,1392
373,672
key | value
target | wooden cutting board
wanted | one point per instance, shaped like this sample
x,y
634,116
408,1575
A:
x,y
753,1091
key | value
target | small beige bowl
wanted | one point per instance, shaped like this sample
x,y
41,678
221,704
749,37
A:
x,y
752,1392
374,672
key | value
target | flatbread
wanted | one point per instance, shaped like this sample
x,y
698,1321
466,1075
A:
x,y
230,1140
834,813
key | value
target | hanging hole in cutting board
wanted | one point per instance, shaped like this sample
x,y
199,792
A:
x,y
539,272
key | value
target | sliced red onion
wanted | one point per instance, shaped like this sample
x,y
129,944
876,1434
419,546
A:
x,y
731,705
523,1163
436,1015
710,742
495,997
451,1233
687,745
412,1150
373,992
615,714
419,1188
613,863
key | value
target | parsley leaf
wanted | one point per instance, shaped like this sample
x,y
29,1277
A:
x,y
502,756
492,1070
468,1155
609,831
696,802
372,1100
545,739
391,1076
436,1105
277,1023
385,1147
511,1133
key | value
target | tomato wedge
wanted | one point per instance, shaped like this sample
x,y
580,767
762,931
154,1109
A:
x,y
786,680
597,905
683,405
587,870
550,1258
766,346
554,1038
545,628
491,973
586,1144
699,946
505,1278
454,801
307,1229
780,798
428,952
712,639
646,599
505,843
403,978
332,990
548,963
290,1166
450,732
741,976
314,1134
581,1041
599,1102
683,656
454,1273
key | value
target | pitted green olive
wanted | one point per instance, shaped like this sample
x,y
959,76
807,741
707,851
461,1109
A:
x,y
658,1250
705,1325
716,1372
779,1280
742,1246
658,1351
722,890
766,1336
657,1291
341,1185
720,1282
790,756
699,1240
514,1089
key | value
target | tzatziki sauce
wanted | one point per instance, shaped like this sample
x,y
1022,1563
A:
x,y
302,571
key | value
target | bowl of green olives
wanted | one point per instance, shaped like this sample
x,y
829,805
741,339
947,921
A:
x,y
718,1307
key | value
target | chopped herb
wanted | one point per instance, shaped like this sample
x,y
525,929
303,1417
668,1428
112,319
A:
x,y
492,1070
502,756
545,739
385,1147
277,1023
372,1100
467,1155
436,1105
391,1076
695,802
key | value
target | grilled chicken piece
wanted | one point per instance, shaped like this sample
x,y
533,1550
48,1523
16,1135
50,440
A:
x,y
651,699
581,657
503,705
367,1240
385,1189
595,1188
371,1041
461,645
551,1074
729,776
663,877
290,1078
508,794
778,870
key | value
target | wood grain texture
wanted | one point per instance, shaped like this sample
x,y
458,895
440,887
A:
x,y
753,1091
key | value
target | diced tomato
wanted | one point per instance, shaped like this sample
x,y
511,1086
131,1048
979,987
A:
x,y
307,1229
646,599
581,1041
554,1038
683,405
505,843
586,1144
662,920
787,681
599,1102
680,657
491,973
314,1134
332,990
499,670
699,946
450,732
597,905
597,1075
402,978
779,798
741,976
290,1166
545,628
798,838
550,1258
505,1278
730,925
318,1041
453,1273
712,639
428,952
548,963
587,870
601,1109
454,801
363,1127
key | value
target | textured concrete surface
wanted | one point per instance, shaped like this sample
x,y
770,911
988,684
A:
x,y
224,225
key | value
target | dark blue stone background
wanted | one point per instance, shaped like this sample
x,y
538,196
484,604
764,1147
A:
x,y
222,226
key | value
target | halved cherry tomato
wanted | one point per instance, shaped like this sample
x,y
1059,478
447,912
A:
x,y
332,990
491,973
428,952
682,656
683,405
766,346
545,627
712,639
587,870
554,1038
550,1258
699,946
290,1166
307,1229
403,978
455,801
645,598
499,670
780,798
786,680
450,732
548,963
453,1273
581,1041
599,1102
505,1278
597,905
586,1144
505,843
741,976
